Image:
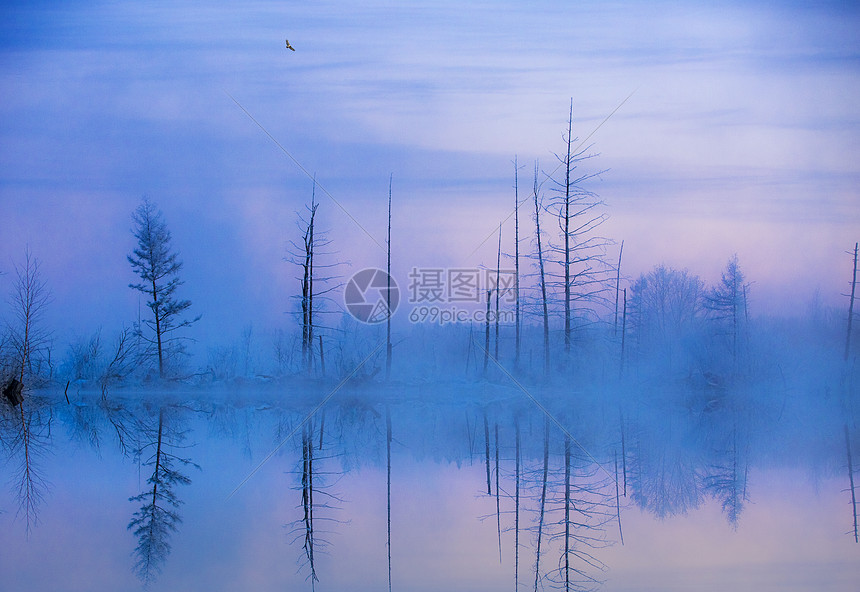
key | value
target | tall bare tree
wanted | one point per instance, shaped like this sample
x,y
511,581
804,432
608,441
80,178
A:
x,y
158,267
308,287
581,251
316,280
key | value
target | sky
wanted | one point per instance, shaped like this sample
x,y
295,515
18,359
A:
x,y
718,129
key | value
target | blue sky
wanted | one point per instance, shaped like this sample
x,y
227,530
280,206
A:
x,y
741,135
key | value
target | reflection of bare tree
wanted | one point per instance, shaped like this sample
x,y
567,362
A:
x,y
25,432
498,505
586,511
851,481
568,496
664,474
388,438
308,499
517,470
317,497
158,516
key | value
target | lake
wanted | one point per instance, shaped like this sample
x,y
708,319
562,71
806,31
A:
x,y
477,487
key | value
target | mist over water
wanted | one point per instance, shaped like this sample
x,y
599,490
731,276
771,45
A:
x,y
440,296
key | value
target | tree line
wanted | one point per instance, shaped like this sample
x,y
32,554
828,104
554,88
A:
x,y
568,285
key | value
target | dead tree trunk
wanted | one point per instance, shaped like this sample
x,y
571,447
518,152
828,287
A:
x,y
498,271
542,275
623,332
851,305
487,333
388,290
516,264
618,286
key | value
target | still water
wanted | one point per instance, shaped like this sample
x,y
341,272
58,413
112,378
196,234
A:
x,y
478,490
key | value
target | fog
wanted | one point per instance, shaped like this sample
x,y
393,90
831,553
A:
x,y
452,296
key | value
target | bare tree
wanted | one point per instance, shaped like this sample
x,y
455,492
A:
x,y
315,284
158,267
581,252
308,288
29,339
120,365
666,305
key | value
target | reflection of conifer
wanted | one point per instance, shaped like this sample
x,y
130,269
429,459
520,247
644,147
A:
x,y
158,515
726,480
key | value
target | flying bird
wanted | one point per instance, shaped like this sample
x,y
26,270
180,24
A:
x,y
289,46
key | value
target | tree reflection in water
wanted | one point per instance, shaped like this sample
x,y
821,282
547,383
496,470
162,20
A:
x,y
158,516
558,489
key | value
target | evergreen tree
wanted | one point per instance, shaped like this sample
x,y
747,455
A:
x,y
158,267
